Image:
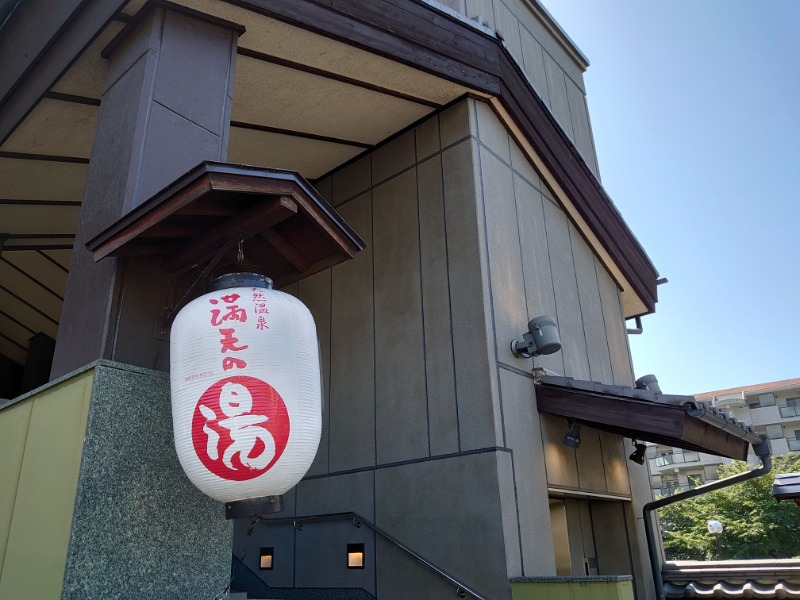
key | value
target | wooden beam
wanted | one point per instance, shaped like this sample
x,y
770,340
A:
x,y
287,250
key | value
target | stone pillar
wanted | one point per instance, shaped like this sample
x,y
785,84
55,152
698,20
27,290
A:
x,y
165,108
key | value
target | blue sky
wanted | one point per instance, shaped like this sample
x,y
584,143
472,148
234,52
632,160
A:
x,y
694,106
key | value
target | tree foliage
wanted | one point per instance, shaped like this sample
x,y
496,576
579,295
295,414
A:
x,y
755,524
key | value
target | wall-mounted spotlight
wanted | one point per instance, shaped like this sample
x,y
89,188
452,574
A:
x,y
265,557
541,338
355,556
573,437
649,383
638,455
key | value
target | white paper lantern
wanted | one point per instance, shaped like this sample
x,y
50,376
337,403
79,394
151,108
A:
x,y
246,397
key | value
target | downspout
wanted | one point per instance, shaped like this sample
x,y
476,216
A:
x,y
763,452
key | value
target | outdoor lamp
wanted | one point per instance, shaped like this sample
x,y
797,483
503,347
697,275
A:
x,y
638,455
265,558
246,393
715,529
355,556
541,338
573,437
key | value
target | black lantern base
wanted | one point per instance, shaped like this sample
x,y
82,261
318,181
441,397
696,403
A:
x,y
253,507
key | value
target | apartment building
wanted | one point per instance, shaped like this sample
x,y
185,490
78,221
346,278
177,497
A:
x,y
772,409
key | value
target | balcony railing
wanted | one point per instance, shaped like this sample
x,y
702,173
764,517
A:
x,y
674,459
789,411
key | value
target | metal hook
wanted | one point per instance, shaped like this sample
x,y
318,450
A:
x,y
460,592
240,252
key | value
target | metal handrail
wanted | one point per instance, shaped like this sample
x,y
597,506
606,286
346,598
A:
x,y
461,589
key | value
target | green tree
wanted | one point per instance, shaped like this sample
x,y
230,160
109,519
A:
x,y
756,525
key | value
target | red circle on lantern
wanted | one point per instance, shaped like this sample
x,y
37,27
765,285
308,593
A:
x,y
240,428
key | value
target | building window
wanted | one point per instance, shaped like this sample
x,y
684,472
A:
x,y
793,402
766,399
774,432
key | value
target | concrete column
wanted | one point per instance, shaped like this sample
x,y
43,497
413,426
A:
x,y
165,108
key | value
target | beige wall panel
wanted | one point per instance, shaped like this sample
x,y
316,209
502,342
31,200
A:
x,y
351,181
476,381
523,168
285,41
613,552
492,132
559,102
62,257
30,291
439,362
40,529
457,5
15,331
315,293
560,461
22,312
457,123
401,401
352,387
508,512
481,8
533,58
13,431
392,158
19,219
591,309
577,539
617,337
523,431
56,128
338,493
427,138
311,158
507,26
41,269
505,264
615,462
325,189
40,180
310,103
591,470
570,323
13,351
539,291
581,125
86,75
552,46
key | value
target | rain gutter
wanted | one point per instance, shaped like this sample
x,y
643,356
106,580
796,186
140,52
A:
x,y
762,450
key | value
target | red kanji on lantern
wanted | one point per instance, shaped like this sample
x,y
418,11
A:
x,y
229,342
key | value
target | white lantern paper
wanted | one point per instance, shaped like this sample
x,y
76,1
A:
x,y
246,397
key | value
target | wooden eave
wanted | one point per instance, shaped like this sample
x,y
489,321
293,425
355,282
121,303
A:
x,y
665,424
408,31
279,220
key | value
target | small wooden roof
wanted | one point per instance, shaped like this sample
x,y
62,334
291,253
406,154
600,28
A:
x,y
280,221
669,424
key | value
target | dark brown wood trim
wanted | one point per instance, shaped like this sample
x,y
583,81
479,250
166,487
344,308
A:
x,y
648,421
429,40
300,134
39,236
44,157
72,98
35,247
13,202
334,76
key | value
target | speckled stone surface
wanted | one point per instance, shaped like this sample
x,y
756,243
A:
x,y
140,528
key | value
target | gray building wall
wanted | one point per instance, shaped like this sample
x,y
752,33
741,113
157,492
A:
x,y
430,427
545,54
